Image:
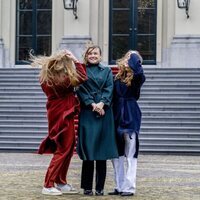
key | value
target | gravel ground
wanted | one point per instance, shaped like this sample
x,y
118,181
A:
x,y
159,177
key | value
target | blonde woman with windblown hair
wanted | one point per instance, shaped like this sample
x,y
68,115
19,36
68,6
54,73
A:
x,y
60,74
127,84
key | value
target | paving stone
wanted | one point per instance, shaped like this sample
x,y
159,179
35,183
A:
x,y
159,177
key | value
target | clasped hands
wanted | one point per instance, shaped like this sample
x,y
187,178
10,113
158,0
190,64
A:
x,y
98,107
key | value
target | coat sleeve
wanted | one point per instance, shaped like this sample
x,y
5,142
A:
x,y
135,64
84,95
107,90
81,70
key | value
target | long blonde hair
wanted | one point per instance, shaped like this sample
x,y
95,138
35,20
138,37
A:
x,y
54,68
125,73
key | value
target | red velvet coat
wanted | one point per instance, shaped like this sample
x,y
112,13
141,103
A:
x,y
62,105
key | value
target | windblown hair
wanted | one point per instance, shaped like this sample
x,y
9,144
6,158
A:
x,y
55,69
88,50
125,73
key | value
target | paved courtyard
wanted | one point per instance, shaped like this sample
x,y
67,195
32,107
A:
x,y
159,177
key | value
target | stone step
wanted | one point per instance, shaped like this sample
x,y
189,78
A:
x,y
23,107
169,113
23,132
22,117
20,84
154,89
172,134
39,127
30,127
171,123
166,129
25,97
169,119
29,88
171,141
21,143
24,139
33,122
169,85
20,102
24,149
169,149
23,112
170,81
167,146
171,93
169,98
20,79
170,108
168,102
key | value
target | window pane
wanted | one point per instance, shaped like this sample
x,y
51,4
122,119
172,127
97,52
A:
x,y
44,22
146,22
146,46
121,3
44,45
146,3
25,44
121,22
119,46
25,4
25,26
44,4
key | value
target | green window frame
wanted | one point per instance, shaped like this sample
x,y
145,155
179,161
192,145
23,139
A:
x,y
133,26
33,29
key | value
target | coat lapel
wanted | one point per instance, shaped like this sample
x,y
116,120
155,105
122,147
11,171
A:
x,y
96,79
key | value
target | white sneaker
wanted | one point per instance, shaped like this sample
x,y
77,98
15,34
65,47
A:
x,y
51,191
67,189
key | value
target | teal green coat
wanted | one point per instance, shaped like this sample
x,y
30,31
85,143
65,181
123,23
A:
x,y
96,136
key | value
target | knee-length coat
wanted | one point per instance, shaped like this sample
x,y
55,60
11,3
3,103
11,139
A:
x,y
126,109
96,137
62,105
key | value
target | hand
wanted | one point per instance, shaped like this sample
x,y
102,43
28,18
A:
x,y
98,108
70,55
94,105
101,112
100,105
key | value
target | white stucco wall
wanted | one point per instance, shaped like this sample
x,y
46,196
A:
x,y
8,17
190,26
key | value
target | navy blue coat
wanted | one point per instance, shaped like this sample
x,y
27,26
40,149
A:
x,y
127,113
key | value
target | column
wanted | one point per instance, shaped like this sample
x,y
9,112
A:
x,y
2,56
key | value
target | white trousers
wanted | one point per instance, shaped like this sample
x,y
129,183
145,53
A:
x,y
125,177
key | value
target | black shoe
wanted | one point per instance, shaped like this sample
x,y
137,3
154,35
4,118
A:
x,y
125,194
115,192
88,192
99,193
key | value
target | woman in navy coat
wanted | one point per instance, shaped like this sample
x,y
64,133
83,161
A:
x,y
127,114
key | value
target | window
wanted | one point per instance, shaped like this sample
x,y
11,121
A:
x,y
133,26
33,31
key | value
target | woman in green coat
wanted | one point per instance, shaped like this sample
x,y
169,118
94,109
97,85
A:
x,y
96,138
